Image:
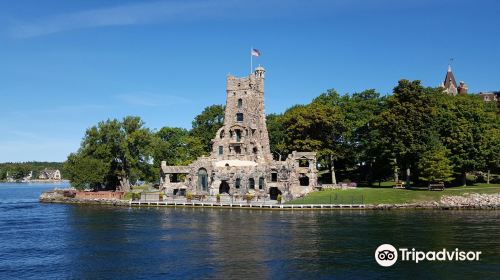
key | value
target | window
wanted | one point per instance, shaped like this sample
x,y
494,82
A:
x,y
238,135
303,163
239,117
274,177
221,150
261,183
237,183
240,103
221,134
251,183
237,150
304,180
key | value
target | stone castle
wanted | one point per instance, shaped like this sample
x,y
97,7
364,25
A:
x,y
241,161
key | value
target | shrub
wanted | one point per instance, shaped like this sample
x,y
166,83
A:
x,y
249,196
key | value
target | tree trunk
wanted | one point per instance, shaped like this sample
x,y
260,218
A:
x,y
464,178
332,169
396,177
369,176
408,176
488,177
124,183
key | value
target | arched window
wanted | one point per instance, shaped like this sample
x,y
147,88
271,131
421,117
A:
x,y
251,183
237,183
221,135
261,183
202,179
240,103
238,135
239,117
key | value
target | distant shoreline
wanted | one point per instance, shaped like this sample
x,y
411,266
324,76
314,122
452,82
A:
x,y
36,181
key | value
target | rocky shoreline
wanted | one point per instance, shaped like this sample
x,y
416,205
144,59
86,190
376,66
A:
x,y
470,201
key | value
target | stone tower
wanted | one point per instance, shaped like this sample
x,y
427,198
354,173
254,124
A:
x,y
244,133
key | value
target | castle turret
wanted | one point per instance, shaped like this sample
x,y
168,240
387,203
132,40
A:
x,y
244,134
449,84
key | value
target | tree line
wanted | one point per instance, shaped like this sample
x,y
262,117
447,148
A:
x,y
19,170
418,134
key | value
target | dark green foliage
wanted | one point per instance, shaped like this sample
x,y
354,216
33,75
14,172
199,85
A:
x,y
277,136
206,124
124,148
176,146
86,172
434,165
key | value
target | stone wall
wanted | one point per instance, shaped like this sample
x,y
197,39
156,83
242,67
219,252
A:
x,y
99,195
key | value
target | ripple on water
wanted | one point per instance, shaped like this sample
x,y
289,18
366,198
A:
x,y
52,241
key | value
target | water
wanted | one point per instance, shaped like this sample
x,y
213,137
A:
x,y
55,241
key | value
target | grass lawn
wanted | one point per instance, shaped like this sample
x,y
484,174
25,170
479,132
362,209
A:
x,y
388,195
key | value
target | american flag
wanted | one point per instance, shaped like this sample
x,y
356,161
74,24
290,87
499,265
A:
x,y
255,52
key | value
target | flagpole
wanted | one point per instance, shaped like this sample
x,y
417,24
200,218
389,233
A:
x,y
251,60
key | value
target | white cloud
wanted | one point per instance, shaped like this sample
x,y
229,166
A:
x,y
130,14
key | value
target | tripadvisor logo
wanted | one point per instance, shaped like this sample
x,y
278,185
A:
x,y
386,255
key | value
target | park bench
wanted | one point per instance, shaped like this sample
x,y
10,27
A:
x,y
436,187
399,185
199,197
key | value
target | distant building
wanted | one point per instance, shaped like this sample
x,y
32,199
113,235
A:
x,y
28,177
490,96
450,85
48,174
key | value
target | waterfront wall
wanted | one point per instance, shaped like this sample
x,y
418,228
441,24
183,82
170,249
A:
x,y
99,195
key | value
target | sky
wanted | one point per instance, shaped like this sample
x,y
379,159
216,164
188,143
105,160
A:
x,y
66,65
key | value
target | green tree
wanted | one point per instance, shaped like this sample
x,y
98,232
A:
x,y
85,172
435,166
277,135
176,146
124,147
3,174
206,124
19,171
315,127
407,124
464,126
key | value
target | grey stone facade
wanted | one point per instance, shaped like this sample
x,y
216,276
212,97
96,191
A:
x,y
241,161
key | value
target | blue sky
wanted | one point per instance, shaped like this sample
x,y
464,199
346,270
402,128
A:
x,y
65,65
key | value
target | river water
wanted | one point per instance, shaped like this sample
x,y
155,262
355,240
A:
x,y
56,241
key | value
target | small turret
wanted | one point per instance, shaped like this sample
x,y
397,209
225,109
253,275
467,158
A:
x,y
259,72
463,88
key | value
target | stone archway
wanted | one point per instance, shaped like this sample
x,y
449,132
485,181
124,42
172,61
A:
x,y
202,179
273,193
224,187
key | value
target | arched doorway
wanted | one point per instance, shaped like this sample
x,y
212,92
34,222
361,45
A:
x,y
273,193
224,187
202,179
